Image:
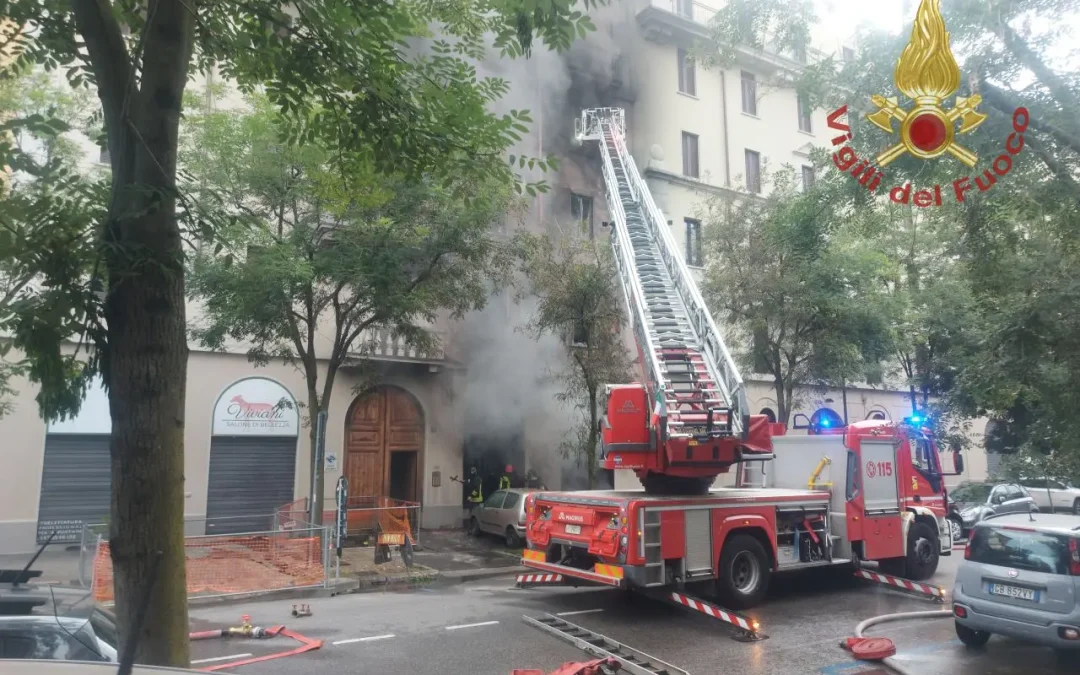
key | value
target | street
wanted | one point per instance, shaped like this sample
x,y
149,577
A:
x,y
477,629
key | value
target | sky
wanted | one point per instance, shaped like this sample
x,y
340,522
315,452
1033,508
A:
x,y
844,16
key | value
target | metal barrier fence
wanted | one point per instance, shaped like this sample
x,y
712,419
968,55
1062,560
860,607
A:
x,y
222,561
365,516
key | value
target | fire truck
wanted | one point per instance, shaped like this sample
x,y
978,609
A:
x,y
838,495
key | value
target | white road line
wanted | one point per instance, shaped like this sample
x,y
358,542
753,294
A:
x,y
580,611
364,639
472,625
222,658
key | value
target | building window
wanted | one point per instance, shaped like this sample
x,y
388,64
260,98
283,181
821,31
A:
x,y
753,171
769,414
808,178
749,93
685,8
103,155
693,242
805,122
687,74
690,155
849,54
581,212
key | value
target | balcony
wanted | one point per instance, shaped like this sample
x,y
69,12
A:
x,y
381,344
684,22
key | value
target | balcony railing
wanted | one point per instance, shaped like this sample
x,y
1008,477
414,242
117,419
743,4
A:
x,y
382,344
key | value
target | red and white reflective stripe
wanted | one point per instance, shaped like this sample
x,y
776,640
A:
x,y
539,578
712,610
900,583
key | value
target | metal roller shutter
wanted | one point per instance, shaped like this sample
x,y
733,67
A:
x,y
75,485
250,477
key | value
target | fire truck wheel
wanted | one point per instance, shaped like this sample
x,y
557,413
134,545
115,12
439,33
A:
x,y
744,573
923,552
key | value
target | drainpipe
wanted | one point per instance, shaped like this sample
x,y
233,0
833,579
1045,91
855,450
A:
x,y
723,117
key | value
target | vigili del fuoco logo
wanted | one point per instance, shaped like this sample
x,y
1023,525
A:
x,y
927,74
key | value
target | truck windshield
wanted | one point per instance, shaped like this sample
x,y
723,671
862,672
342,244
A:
x,y
1021,549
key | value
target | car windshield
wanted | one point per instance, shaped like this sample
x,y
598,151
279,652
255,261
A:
x,y
971,492
1020,549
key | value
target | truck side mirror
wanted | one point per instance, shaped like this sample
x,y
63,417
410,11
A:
x,y
958,462
800,421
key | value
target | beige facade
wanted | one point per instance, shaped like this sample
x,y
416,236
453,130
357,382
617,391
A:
x,y
210,375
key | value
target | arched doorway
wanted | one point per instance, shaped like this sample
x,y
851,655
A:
x,y
384,444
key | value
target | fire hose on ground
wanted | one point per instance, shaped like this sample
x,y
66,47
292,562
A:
x,y
883,649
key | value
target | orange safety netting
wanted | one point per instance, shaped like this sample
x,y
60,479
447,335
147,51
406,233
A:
x,y
242,564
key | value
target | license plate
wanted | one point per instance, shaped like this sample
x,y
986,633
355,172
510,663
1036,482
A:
x,y
1014,592
573,529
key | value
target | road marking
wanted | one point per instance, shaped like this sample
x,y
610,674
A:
x,y
580,611
222,658
364,639
472,625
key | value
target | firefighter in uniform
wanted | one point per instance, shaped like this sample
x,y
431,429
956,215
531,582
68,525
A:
x,y
532,480
505,482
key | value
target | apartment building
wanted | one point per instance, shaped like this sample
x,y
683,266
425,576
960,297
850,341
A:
x,y
483,399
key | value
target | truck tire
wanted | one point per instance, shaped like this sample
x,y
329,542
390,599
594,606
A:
x,y
744,573
923,552
657,484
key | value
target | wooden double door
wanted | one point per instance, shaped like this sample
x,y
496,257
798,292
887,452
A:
x,y
384,443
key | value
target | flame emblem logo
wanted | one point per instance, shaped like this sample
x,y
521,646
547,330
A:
x,y
927,73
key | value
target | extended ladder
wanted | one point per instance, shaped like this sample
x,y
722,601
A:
x,y
632,661
694,383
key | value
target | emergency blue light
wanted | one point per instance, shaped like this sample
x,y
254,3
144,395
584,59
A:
x,y
826,418
915,419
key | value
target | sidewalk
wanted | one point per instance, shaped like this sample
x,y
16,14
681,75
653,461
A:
x,y
57,565
456,555
449,555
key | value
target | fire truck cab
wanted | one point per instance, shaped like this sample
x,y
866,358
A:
x,y
839,495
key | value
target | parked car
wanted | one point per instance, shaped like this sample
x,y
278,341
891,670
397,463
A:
x,y
976,501
39,622
953,517
1020,577
503,513
1053,495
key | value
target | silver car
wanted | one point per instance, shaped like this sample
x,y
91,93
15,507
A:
x,y
503,513
1020,577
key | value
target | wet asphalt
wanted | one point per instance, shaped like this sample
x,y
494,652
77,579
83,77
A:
x,y
476,628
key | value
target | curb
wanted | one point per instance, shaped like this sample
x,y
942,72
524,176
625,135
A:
x,y
482,573
277,594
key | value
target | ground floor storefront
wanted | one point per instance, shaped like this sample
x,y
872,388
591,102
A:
x,y
247,450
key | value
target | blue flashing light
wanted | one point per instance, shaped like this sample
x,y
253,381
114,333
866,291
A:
x,y
916,420
826,418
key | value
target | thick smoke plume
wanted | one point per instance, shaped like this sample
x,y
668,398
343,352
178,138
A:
x,y
512,412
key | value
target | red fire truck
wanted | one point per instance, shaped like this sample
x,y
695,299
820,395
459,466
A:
x,y
873,490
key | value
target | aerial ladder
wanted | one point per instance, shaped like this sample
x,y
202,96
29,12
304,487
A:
x,y
689,420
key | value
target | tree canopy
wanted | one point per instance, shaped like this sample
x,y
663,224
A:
x,y
990,293
797,284
578,299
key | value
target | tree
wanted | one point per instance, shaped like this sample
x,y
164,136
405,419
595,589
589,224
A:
x,y
1013,356
578,299
331,252
47,216
795,287
389,83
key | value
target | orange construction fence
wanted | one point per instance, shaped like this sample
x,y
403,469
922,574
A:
x,y
392,516
226,564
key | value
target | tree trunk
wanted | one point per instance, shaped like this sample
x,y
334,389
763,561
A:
x,y
145,363
783,411
317,489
